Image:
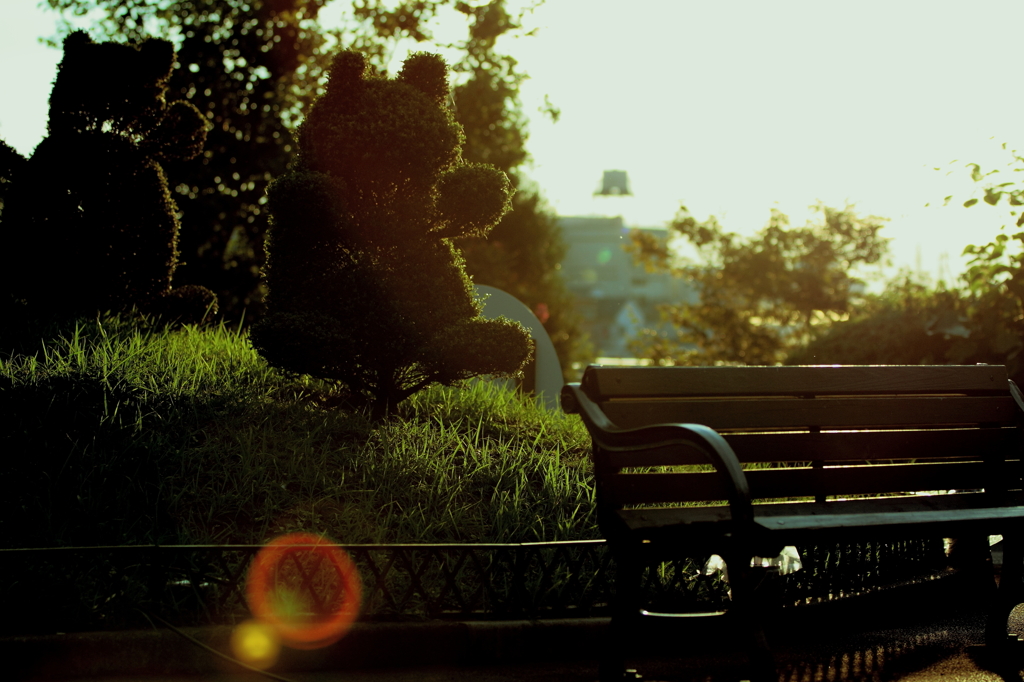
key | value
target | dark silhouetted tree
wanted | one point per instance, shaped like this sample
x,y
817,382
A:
x,y
366,287
91,206
763,297
252,66
522,254
247,66
11,164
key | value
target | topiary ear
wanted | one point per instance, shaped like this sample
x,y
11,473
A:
x,y
344,80
428,73
347,71
77,39
158,58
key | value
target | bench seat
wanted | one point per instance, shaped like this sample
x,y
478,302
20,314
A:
x,y
803,523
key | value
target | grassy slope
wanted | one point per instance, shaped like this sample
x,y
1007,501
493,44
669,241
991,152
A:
x,y
113,433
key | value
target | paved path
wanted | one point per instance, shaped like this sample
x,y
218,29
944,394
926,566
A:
x,y
929,635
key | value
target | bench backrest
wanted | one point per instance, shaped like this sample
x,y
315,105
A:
x,y
814,432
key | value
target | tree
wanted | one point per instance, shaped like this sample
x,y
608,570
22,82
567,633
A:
x,y
95,190
913,323
909,323
762,297
11,164
366,286
245,64
992,302
522,254
253,66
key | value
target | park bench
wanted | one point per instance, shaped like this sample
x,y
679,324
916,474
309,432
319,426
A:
x,y
743,461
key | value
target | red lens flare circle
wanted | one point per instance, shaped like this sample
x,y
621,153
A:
x,y
306,588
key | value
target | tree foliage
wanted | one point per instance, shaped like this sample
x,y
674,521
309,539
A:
x,y
762,297
522,254
253,66
985,315
981,321
909,323
93,196
247,66
366,286
11,164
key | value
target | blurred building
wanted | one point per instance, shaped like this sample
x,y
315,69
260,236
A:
x,y
615,296
614,183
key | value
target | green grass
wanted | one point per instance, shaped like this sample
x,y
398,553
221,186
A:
x,y
117,432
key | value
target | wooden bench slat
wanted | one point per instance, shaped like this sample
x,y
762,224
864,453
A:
x,y
863,516
604,382
898,523
873,445
659,516
659,488
818,412
830,447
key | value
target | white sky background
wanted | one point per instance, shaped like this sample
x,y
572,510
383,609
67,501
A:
x,y
732,108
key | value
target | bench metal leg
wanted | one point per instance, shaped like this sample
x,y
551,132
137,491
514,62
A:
x,y
748,616
625,618
744,615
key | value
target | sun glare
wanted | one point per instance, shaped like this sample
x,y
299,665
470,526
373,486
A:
x,y
255,644
305,589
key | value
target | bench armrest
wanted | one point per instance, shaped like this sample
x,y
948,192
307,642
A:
x,y
609,437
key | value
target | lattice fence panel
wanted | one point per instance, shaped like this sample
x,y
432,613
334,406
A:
x,y
47,590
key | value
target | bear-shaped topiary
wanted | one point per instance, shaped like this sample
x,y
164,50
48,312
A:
x,y
91,206
366,287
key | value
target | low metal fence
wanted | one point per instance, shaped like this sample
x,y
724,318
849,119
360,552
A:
x,y
88,588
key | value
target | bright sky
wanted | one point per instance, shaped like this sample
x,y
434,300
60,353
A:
x,y
732,108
